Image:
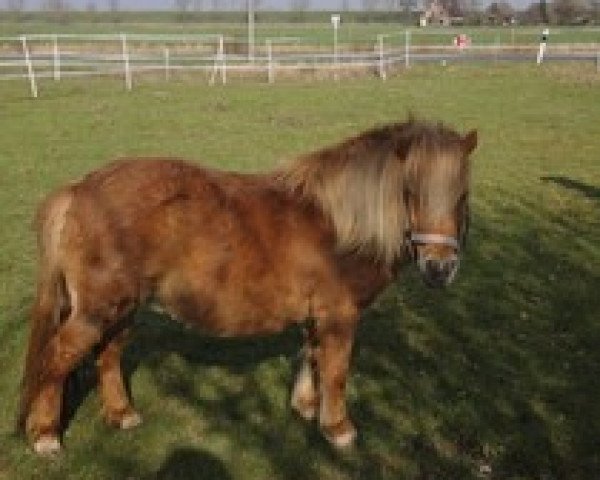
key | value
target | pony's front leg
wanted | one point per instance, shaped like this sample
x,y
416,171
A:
x,y
115,401
305,396
333,359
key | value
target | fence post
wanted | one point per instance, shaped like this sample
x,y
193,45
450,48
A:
x,y
56,59
251,31
496,48
218,65
542,49
222,56
167,64
336,61
128,83
30,72
407,48
382,73
213,74
270,57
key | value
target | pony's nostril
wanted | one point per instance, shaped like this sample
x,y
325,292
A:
x,y
430,267
440,269
435,269
444,269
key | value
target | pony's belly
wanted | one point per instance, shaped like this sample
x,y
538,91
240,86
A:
x,y
229,317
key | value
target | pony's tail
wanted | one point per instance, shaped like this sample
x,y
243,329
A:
x,y
51,301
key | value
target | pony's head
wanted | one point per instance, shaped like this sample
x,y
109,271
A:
x,y
436,196
392,187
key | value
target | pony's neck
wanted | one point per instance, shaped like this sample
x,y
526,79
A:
x,y
359,189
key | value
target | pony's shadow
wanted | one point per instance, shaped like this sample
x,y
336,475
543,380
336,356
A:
x,y
589,191
155,336
155,339
235,353
191,463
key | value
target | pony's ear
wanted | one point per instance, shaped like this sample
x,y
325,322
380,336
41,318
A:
x,y
470,142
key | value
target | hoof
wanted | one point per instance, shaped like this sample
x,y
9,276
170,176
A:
x,y
130,420
47,445
123,419
341,436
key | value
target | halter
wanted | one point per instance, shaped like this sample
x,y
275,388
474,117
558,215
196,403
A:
x,y
433,239
414,239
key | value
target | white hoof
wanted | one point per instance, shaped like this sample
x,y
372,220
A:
x,y
131,420
343,440
46,445
341,436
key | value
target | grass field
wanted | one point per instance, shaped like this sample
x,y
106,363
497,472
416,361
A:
x,y
497,377
315,32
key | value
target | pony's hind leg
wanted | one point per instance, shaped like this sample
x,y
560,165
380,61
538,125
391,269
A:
x,y
70,343
116,405
305,397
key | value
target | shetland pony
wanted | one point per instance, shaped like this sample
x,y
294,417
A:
x,y
312,242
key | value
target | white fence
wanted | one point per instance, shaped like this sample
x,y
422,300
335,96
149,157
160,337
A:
x,y
35,57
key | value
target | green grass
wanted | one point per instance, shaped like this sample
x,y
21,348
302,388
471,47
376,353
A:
x,y
501,370
315,32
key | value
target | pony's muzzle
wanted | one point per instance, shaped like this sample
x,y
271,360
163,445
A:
x,y
439,272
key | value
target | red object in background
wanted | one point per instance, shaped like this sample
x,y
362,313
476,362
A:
x,y
461,41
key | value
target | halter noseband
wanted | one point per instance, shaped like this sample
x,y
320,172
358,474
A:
x,y
433,238
415,239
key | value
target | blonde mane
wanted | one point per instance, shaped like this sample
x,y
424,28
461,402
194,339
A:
x,y
360,183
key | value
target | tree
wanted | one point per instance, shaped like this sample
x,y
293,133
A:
x,y
474,12
455,8
568,11
299,5
543,11
500,12
114,5
475,6
299,8
56,6
533,14
58,9
182,6
15,5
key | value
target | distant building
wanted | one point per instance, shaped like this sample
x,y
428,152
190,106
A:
x,y
434,14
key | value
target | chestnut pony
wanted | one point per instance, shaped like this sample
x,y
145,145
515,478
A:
x,y
312,242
